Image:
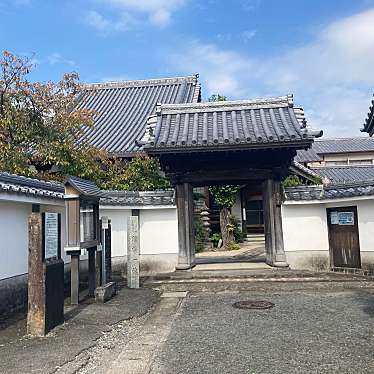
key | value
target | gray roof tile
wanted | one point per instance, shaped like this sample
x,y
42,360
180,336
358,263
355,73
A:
x,y
142,198
84,186
219,124
369,121
13,183
307,155
335,191
123,108
346,174
343,145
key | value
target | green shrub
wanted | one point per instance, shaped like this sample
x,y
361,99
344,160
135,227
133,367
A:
x,y
238,233
215,238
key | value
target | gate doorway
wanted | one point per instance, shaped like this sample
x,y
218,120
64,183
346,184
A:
x,y
229,142
344,240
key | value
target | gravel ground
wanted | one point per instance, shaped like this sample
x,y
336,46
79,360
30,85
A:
x,y
92,335
325,329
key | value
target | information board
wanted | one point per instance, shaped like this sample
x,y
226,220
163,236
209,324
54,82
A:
x,y
51,235
87,222
346,218
342,218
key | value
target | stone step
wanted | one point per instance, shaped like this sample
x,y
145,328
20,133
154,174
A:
x,y
254,238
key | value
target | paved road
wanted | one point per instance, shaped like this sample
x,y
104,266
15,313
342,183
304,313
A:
x,y
319,328
324,325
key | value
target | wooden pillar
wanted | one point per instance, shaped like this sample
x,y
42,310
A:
x,y
36,282
186,235
272,202
91,271
74,278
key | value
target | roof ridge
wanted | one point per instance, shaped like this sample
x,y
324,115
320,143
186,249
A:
x,y
141,82
5,175
287,101
343,167
346,138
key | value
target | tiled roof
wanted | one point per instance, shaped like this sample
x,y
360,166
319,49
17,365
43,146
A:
x,y
13,183
129,198
346,174
369,122
123,108
218,125
343,145
329,192
303,171
307,155
84,186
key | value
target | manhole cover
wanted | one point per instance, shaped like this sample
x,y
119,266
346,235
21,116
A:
x,y
253,304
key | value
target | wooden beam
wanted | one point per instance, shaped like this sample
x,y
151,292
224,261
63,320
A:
x,y
186,238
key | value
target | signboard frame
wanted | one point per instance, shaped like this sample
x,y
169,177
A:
x,y
44,233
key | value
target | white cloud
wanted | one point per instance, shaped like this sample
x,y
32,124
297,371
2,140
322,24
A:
x,y
58,58
105,25
332,76
158,12
221,70
248,35
97,20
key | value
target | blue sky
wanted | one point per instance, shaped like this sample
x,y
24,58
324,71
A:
x,y
321,51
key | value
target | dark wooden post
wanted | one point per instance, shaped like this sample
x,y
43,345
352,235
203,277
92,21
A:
x,y
272,202
36,283
108,252
74,278
45,273
186,237
91,271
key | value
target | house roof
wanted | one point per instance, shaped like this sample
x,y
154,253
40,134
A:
x,y
307,155
123,108
343,145
84,186
17,184
369,121
221,125
303,171
329,192
141,198
346,174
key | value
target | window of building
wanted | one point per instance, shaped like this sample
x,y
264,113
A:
x,y
337,163
361,162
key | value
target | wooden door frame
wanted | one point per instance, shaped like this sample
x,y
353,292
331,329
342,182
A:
x,y
342,208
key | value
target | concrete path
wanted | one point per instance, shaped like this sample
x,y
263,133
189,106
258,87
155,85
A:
x,y
248,252
321,323
313,328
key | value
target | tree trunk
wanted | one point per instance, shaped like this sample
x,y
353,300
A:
x,y
224,221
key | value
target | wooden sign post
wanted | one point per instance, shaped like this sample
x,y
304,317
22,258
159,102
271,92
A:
x,y
82,211
45,273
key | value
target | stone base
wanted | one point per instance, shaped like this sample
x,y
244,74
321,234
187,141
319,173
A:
x,y
149,264
105,293
280,264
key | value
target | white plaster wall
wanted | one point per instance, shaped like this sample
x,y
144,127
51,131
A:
x,y
236,209
305,227
14,236
118,219
158,230
305,231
